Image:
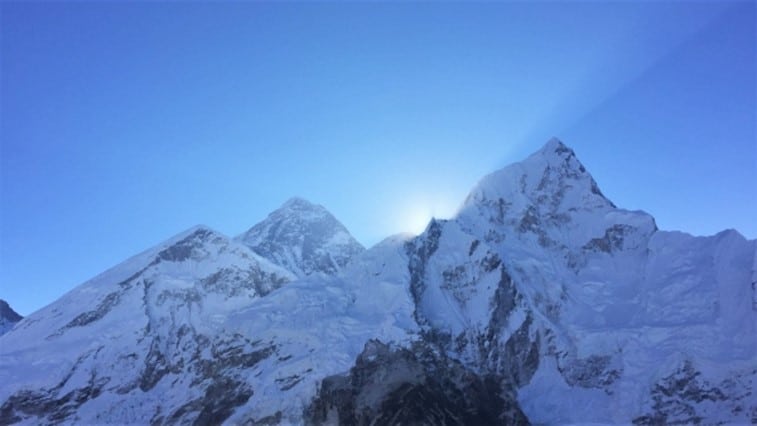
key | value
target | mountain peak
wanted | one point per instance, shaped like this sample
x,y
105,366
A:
x,y
552,170
555,149
302,237
555,145
8,317
555,153
298,203
8,313
549,188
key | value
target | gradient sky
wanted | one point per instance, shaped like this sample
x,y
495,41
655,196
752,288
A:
x,y
123,124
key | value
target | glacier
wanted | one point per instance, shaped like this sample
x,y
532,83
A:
x,y
540,302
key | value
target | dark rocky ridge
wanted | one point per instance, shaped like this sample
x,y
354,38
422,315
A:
x,y
391,386
7,313
8,317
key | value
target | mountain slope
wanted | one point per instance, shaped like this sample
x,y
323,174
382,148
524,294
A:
x,y
8,317
303,238
119,347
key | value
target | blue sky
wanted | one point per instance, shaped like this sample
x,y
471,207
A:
x,y
123,124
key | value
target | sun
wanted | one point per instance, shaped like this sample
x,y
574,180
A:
x,y
416,219
418,212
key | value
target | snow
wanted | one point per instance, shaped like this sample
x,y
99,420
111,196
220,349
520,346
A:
x,y
322,323
548,399
303,238
119,331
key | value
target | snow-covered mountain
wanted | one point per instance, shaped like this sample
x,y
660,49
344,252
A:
x,y
303,238
540,302
589,311
8,317
143,342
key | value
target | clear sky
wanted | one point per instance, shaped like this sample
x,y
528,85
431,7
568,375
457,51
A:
x,y
123,124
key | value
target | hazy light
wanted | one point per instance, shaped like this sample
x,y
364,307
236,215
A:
x,y
417,219
418,212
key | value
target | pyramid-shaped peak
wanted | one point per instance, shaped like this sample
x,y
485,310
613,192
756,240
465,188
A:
x,y
558,157
301,210
555,146
299,203
302,237
556,154
551,181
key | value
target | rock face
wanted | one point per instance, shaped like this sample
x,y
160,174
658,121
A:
x,y
8,317
389,386
303,238
540,302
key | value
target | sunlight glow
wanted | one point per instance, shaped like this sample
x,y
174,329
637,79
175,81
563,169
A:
x,y
419,211
417,218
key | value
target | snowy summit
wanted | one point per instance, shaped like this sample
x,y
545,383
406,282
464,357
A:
x,y
303,238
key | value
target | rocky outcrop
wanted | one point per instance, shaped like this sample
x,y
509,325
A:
x,y
8,317
684,396
390,385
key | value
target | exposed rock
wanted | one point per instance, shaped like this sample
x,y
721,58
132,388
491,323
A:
x,y
678,398
389,386
612,240
8,314
595,371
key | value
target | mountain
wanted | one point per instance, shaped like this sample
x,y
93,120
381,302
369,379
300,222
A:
x,y
541,302
577,312
145,334
303,238
588,311
8,317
